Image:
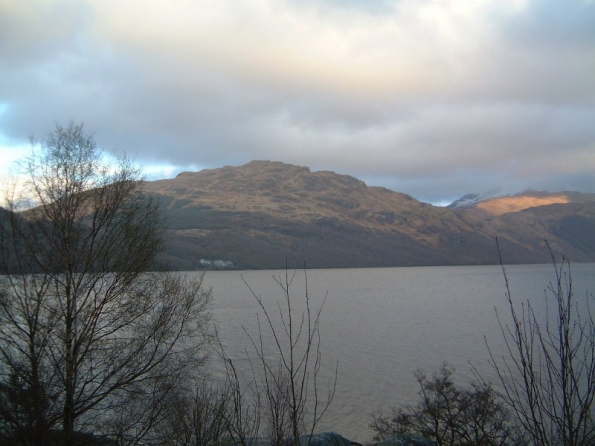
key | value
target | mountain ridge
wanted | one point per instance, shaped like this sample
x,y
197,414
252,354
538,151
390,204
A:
x,y
265,212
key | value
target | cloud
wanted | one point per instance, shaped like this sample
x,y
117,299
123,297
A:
x,y
456,95
547,23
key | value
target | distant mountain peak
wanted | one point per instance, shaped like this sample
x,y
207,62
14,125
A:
x,y
484,206
473,199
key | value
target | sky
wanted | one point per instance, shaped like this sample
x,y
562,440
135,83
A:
x,y
433,98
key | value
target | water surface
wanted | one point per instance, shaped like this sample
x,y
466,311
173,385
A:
x,y
382,324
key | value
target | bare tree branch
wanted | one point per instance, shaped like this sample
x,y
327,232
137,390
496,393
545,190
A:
x,y
548,377
84,323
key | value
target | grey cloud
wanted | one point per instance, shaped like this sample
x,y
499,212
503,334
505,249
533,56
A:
x,y
565,26
370,6
445,188
545,53
520,117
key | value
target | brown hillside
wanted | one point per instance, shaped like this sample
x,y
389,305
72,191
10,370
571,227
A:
x,y
262,213
506,205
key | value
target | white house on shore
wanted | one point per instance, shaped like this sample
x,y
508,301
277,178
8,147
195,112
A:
x,y
205,263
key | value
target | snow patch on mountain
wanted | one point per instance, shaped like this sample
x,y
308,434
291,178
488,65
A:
x,y
473,199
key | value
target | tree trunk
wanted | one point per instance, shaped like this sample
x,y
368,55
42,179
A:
x,y
69,384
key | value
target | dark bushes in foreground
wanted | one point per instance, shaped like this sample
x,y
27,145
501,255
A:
x,y
450,415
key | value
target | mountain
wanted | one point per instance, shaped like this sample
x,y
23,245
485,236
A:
x,y
472,199
490,204
263,213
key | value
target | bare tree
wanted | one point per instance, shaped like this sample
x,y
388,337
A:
x,y
211,411
548,377
293,399
85,327
450,415
244,415
282,387
198,415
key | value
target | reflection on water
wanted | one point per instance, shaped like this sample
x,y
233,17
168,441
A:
x,y
382,324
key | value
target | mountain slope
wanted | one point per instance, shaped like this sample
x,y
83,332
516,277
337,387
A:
x,y
493,206
260,214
